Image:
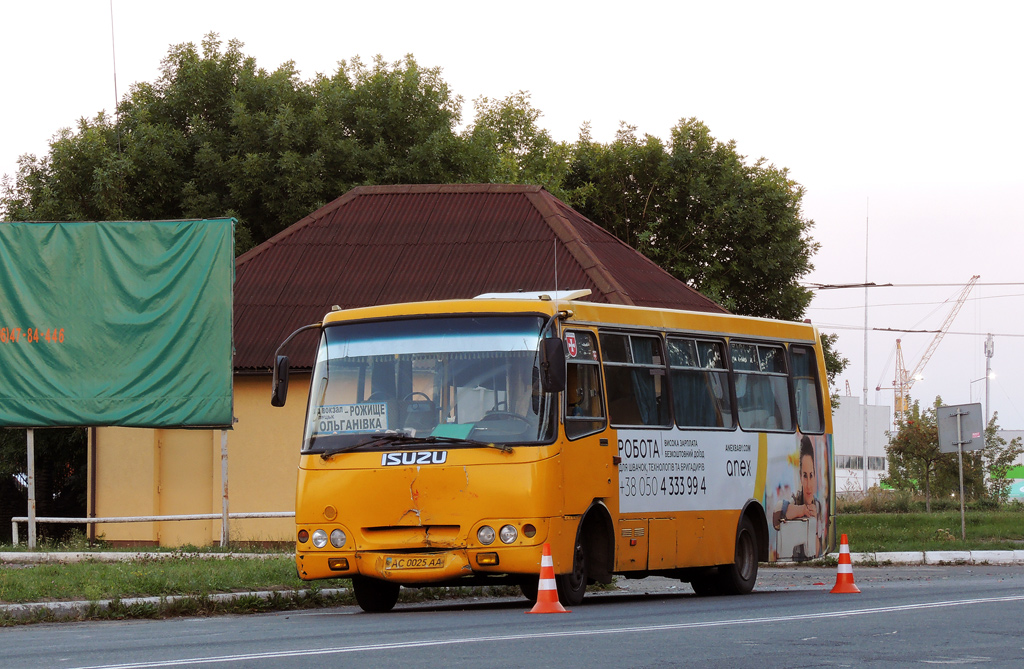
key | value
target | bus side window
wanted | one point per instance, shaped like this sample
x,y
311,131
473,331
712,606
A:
x,y
584,408
804,367
762,387
699,379
634,372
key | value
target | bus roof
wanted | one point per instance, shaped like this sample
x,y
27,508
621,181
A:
x,y
588,313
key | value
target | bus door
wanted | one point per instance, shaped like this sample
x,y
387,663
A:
x,y
587,454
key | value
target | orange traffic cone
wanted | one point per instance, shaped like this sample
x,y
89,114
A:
x,y
547,593
844,579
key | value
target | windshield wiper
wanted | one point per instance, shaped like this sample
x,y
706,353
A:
x,y
388,438
504,448
400,438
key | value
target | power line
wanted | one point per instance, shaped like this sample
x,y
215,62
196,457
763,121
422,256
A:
x,y
913,304
836,286
860,328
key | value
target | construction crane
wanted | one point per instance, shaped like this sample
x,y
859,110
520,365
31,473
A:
x,y
904,380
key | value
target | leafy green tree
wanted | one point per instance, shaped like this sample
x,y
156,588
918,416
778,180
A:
x,y
620,185
215,135
916,463
508,146
60,477
913,453
999,456
733,231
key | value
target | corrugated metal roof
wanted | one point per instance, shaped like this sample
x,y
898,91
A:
x,y
387,244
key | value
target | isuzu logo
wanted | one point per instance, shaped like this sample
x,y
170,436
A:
x,y
417,458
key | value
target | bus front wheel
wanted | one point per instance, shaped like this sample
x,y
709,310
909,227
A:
x,y
573,586
373,595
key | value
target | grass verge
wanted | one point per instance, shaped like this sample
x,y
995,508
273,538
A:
x,y
898,532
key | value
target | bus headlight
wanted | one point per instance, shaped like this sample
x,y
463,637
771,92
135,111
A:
x,y
338,538
508,534
319,538
485,535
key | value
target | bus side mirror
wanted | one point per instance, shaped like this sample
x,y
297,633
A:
x,y
552,365
279,394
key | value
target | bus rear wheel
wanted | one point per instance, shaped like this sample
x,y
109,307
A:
x,y
739,577
373,595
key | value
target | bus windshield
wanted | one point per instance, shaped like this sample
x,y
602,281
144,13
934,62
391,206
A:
x,y
388,383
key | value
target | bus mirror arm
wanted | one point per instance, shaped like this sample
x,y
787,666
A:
x,y
279,384
552,365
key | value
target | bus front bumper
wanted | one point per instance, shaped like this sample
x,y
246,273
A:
x,y
418,568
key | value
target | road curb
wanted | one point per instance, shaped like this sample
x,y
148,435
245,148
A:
x,y
940,557
65,557
65,610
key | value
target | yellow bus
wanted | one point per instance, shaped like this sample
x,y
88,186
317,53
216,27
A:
x,y
446,442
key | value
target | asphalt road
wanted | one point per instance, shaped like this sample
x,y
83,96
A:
x,y
904,616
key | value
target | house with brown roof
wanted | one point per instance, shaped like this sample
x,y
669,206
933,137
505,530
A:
x,y
373,245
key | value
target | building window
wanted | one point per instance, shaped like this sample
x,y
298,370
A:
x,y
850,461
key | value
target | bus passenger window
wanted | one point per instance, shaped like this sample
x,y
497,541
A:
x,y
700,383
584,409
762,387
807,391
634,372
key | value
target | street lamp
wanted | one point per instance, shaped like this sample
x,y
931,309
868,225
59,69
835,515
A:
x,y
989,376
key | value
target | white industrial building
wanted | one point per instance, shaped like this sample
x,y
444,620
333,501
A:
x,y
849,447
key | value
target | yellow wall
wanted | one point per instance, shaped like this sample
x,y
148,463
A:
x,y
142,472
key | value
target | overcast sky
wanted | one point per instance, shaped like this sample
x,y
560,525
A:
x,y
903,121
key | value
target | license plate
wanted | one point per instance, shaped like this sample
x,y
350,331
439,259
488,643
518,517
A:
x,y
414,562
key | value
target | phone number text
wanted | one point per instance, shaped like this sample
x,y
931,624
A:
x,y
664,486
31,335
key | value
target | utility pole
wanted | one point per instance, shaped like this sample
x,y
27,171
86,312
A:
x,y
864,408
989,351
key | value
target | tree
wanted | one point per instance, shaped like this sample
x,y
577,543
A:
x,y
913,452
215,135
620,185
60,476
999,456
730,230
916,463
508,146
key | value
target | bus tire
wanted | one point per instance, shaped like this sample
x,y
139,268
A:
x,y
573,586
373,595
529,589
739,577
706,584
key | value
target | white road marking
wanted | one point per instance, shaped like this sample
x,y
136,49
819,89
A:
x,y
400,645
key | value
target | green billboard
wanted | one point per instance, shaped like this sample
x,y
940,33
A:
x,y
116,323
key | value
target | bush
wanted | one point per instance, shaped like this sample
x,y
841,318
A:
x,y
904,501
877,501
